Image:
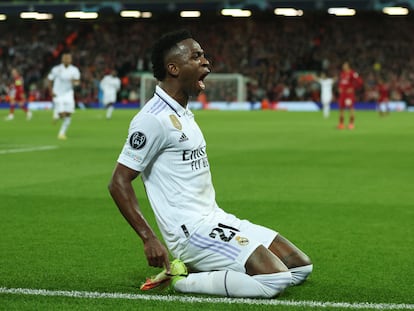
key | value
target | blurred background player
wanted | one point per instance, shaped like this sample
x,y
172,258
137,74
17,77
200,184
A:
x,y
326,84
110,86
62,80
17,95
349,81
383,90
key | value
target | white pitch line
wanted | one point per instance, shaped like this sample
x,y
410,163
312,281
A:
x,y
192,299
17,150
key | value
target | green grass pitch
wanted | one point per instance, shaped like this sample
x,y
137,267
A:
x,y
345,197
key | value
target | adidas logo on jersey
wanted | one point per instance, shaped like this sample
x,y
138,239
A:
x,y
183,138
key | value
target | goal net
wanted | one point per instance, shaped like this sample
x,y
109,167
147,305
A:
x,y
219,87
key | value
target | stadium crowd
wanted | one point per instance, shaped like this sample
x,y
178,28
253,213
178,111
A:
x,y
280,56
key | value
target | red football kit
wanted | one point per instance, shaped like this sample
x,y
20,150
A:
x,y
349,81
383,92
17,90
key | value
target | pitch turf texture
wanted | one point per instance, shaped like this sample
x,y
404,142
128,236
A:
x,y
344,197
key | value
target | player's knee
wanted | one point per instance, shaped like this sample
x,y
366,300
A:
x,y
273,284
306,261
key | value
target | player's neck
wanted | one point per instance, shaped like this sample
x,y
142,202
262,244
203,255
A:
x,y
177,95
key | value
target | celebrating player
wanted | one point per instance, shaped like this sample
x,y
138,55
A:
x,y
225,255
326,84
62,80
17,95
349,81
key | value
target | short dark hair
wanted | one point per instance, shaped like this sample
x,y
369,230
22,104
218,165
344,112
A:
x,y
162,46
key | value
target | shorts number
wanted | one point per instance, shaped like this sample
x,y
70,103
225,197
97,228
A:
x,y
222,235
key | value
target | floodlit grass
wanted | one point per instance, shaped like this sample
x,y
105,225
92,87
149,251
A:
x,y
344,197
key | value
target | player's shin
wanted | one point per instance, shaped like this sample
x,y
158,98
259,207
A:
x,y
234,284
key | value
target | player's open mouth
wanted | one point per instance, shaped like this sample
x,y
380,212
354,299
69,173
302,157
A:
x,y
201,83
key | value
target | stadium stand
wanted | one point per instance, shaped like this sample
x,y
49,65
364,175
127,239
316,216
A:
x,y
276,53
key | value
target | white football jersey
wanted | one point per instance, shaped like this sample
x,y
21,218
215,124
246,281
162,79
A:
x,y
62,78
166,145
110,86
326,89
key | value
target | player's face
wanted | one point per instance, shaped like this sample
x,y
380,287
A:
x,y
67,59
345,67
193,67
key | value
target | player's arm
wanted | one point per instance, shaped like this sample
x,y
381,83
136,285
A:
x,y
122,192
359,82
23,92
76,85
76,78
50,87
76,82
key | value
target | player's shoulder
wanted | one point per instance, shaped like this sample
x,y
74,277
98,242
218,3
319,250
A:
x,y
156,111
147,122
73,68
57,67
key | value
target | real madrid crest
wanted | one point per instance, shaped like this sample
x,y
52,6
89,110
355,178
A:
x,y
242,241
175,122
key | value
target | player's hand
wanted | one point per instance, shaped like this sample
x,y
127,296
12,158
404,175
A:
x,y
157,254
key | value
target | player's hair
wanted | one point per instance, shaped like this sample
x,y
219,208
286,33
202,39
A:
x,y
162,46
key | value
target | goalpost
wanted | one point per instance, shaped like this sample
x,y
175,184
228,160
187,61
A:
x,y
220,87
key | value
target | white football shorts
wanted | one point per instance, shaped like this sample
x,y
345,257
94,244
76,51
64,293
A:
x,y
64,103
383,107
223,242
108,99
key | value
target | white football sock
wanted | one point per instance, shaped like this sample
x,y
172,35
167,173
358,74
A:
x,y
109,112
326,111
64,126
235,284
55,114
299,274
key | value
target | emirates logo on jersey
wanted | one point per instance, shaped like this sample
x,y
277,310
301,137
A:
x,y
137,140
